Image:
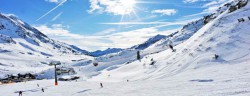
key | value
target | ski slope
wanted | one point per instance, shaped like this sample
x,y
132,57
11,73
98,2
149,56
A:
x,y
190,71
199,82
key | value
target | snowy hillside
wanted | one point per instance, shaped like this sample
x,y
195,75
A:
x,y
16,29
25,49
211,58
223,36
155,51
112,60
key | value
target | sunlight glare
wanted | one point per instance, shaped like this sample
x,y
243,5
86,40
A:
x,y
127,6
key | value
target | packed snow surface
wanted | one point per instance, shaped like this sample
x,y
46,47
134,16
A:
x,y
192,70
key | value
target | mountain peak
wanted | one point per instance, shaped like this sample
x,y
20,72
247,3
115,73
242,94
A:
x,y
149,42
104,52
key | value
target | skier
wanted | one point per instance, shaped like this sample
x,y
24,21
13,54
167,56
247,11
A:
x,y
37,85
170,44
127,80
101,85
216,56
20,93
171,47
42,89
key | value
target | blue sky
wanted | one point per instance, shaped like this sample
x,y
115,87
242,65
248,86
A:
x,y
100,24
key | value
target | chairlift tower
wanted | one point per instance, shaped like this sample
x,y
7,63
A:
x,y
55,63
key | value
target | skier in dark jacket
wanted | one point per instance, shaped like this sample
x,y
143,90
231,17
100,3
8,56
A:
x,y
20,93
101,85
170,44
42,89
172,48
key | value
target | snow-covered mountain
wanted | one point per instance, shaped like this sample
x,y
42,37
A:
x,y
23,46
141,46
104,52
97,53
14,28
149,42
211,59
80,50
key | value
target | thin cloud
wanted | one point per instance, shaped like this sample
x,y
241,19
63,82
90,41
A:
x,y
57,16
109,38
214,5
192,1
197,14
115,7
106,32
101,42
134,23
210,6
52,10
54,1
167,12
56,30
149,23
